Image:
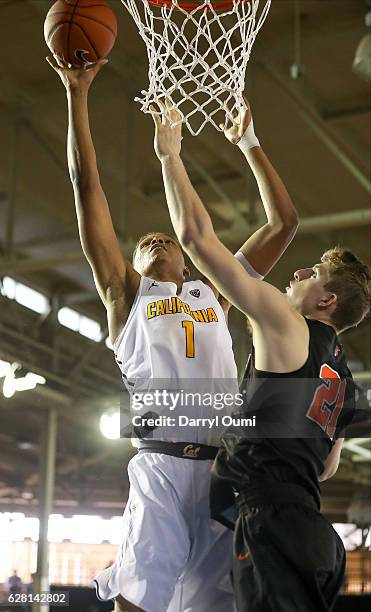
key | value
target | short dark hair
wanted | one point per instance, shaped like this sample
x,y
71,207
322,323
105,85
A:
x,y
349,279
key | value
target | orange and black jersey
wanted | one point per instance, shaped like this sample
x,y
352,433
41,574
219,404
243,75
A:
x,y
299,415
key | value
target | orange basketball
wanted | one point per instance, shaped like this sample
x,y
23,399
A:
x,y
81,31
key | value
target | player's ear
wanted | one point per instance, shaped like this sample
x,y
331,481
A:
x,y
327,301
186,272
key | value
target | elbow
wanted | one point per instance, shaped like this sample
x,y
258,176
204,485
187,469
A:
x,y
76,185
83,184
324,476
286,226
196,247
190,243
185,237
191,239
74,167
327,474
74,178
293,222
194,232
83,176
75,175
290,223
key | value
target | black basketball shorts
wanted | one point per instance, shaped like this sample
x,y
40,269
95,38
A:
x,y
287,558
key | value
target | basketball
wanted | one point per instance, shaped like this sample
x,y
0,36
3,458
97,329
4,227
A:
x,y
81,31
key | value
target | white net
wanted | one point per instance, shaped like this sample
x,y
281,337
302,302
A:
x,y
198,55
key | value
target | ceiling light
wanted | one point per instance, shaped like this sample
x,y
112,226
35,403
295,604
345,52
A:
x,y
90,329
25,445
69,318
27,495
24,295
79,323
110,425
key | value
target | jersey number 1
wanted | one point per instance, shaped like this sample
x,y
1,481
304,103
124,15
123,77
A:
x,y
189,329
328,400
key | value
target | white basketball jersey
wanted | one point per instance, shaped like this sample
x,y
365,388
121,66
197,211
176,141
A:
x,y
175,336
177,341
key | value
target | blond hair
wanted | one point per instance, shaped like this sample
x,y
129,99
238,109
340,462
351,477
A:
x,y
349,279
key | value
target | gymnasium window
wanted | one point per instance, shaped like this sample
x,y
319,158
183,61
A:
x,y
79,323
80,546
34,300
38,302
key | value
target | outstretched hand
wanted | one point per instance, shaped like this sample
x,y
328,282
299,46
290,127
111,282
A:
x,y
75,78
167,139
240,123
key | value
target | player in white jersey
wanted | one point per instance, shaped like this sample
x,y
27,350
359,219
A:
x,y
173,557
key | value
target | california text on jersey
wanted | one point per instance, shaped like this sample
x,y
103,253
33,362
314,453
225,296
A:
x,y
174,305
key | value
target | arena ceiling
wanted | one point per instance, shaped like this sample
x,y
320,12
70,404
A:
x,y
316,129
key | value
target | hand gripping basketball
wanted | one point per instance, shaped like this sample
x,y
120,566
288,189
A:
x,y
80,31
75,78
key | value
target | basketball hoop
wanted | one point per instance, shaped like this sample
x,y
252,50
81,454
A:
x,y
189,6
198,55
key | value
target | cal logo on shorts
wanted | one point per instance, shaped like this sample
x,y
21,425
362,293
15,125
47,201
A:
x,y
191,451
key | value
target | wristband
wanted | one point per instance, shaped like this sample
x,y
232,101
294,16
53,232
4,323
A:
x,y
247,265
248,139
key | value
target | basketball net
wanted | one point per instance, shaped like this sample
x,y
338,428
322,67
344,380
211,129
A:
x,y
198,55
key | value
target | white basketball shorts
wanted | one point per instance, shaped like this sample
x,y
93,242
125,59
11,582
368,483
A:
x,y
173,557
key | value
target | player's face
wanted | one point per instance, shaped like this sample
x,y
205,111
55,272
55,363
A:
x,y
307,292
156,250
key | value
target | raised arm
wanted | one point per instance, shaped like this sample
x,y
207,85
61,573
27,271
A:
x,y
265,247
116,280
192,224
